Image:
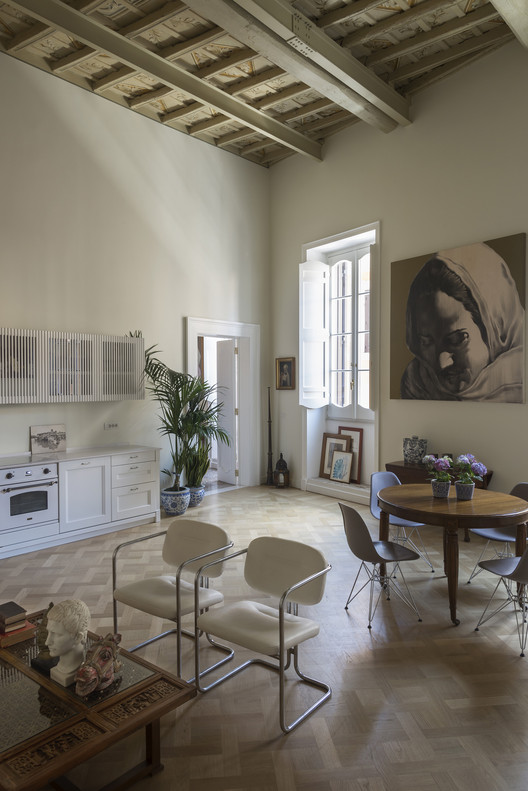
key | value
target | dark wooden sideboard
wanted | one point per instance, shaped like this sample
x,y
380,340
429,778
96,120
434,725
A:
x,y
417,473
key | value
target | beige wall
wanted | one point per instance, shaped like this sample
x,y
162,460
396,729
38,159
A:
x,y
109,223
458,174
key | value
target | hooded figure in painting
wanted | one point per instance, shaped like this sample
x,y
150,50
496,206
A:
x,y
465,326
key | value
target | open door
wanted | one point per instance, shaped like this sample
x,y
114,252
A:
x,y
226,375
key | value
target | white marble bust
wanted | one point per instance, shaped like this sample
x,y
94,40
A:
x,y
68,623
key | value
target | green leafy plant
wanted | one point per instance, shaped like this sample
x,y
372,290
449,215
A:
x,y
189,416
468,469
439,469
196,463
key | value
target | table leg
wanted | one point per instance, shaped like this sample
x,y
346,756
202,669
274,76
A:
x,y
451,567
383,536
520,542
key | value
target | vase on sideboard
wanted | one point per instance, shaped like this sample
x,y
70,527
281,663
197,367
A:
x,y
414,449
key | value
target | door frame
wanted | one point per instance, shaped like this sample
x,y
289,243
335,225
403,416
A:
x,y
248,336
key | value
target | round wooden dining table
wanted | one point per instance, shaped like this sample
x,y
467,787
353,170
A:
x,y
415,501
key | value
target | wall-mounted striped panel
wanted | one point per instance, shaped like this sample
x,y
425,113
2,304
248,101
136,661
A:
x,y
41,366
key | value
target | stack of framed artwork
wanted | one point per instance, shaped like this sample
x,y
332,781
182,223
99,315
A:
x,y
341,455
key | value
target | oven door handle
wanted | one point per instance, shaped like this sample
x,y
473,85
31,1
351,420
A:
x,y
29,486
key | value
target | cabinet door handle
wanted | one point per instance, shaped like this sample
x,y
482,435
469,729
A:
x,y
133,489
133,466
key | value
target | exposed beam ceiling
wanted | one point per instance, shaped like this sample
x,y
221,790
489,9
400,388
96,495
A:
x,y
515,14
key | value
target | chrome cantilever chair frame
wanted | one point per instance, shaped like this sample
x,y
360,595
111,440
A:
x,y
374,553
505,535
405,532
177,629
284,657
513,574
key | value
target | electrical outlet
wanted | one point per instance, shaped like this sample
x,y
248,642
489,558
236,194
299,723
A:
x,y
108,426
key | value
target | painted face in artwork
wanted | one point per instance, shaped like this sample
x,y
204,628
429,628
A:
x,y
449,341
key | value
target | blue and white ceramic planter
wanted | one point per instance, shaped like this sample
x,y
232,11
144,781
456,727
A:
x,y
464,491
175,503
440,488
197,495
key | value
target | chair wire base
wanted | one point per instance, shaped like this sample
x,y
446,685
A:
x,y
280,667
387,584
516,595
506,553
400,536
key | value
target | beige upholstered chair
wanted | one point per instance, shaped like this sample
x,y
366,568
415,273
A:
x,y
188,544
372,554
513,574
506,536
291,572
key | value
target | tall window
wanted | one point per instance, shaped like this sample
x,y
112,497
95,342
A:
x,y
350,330
335,360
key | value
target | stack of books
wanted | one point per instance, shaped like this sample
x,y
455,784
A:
x,y
14,626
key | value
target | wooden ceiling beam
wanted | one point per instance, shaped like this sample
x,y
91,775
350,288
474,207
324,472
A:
x,y
183,47
149,21
280,34
237,57
72,59
348,12
133,55
149,96
247,83
493,37
515,14
305,109
455,26
401,19
112,79
281,96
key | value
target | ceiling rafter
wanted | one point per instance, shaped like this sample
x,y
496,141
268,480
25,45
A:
x,y
454,27
467,47
253,32
515,14
131,54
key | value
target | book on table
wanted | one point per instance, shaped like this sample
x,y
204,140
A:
x,y
11,612
25,632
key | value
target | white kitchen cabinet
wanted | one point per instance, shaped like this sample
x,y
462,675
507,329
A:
x,y
84,493
135,484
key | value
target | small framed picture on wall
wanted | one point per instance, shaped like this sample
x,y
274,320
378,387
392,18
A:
x,y
285,373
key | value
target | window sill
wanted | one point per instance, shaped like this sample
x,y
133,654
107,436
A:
x,y
353,492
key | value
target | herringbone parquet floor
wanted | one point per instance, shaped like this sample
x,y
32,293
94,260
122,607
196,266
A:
x,y
415,706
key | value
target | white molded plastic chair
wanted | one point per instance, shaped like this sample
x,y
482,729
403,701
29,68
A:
x,y
373,553
406,532
295,574
188,544
504,535
513,573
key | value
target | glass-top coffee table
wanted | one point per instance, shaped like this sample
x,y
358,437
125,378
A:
x,y
46,729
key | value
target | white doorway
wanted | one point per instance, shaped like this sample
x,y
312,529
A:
x,y
244,403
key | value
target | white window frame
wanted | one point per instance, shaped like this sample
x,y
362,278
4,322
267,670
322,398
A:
x,y
314,325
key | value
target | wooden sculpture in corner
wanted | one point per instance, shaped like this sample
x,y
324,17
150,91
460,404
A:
x,y
100,666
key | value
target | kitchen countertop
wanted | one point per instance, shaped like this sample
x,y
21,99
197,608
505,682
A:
x,y
71,454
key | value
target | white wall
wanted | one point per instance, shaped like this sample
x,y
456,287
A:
x,y
458,174
109,223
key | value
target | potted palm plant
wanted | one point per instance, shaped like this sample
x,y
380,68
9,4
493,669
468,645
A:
x,y
189,418
196,464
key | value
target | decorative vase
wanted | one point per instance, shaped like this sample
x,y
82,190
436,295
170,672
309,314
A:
x,y
197,495
440,488
464,491
175,503
414,449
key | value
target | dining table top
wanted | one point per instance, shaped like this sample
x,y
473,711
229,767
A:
x,y
487,508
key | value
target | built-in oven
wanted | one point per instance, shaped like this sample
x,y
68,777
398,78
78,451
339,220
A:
x,y
29,496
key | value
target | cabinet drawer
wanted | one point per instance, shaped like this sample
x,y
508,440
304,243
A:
x,y
136,500
133,457
137,472
24,534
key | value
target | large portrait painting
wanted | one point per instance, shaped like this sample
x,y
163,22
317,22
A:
x,y
457,323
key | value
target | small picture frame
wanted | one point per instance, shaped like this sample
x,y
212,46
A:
x,y
47,439
332,443
285,373
356,445
341,467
